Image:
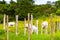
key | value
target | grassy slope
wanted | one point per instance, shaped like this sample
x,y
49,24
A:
x,y
12,35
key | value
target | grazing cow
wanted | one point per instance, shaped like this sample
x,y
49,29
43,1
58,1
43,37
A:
x,y
44,26
11,24
33,28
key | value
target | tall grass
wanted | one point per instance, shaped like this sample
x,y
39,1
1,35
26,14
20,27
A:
x,y
12,35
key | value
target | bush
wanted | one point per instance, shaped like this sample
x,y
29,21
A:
x,y
1,18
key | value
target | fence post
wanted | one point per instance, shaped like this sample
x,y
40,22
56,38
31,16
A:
x,y
24,26
41,30
7,31
37,26
58,23
16,24
52,27
28,26
31,19
4,21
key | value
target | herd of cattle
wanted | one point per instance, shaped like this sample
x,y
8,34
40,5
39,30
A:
x,y
33,28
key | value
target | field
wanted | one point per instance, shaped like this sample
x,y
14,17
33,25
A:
x,y
21,36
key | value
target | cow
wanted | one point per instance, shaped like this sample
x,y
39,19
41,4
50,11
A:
x,y
44,26
11,24
33,28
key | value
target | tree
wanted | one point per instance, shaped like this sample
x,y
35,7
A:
x,y
2,2
25,7
57,4
58,12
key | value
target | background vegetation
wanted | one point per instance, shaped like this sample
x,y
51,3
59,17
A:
x,y
22,8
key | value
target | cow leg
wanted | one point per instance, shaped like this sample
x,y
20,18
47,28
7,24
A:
x,y
31,31
36,31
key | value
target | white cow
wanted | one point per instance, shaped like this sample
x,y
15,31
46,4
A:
x,y
33,28
44,26
11,24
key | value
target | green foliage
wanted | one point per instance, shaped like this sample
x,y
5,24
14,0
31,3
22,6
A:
x,y
23,7
57,4
1,18
58,12
2,2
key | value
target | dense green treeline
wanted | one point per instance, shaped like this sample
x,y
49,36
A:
x,y
23,7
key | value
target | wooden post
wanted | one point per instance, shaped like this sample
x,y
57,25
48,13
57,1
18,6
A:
x,y
7,28
16,24
28,26
31,22
24,26
31,19
57,23
4,20
41,30
52,27
37,26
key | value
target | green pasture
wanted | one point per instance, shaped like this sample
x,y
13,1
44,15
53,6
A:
x,y
12,35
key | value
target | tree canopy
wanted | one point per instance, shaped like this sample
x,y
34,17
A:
x,y
23,7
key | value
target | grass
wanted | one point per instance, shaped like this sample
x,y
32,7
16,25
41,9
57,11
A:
x,y
12,35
